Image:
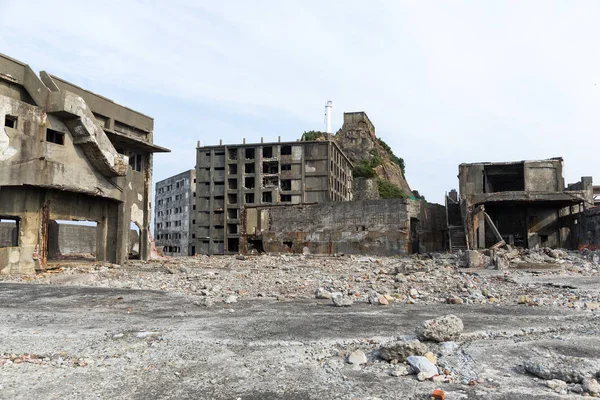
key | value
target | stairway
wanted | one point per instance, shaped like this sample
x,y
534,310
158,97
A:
x,y
456,230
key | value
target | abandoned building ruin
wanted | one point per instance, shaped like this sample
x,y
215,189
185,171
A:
x,y
524,204
232,177
376,227
69,154
175,213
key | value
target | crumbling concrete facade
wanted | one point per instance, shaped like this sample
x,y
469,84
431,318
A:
x,y
524,204
232,177
374,227
175,213
69,154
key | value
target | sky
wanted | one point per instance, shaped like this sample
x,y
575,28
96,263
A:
x,y
444,82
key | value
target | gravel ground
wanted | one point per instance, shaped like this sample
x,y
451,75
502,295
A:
x,y
251,328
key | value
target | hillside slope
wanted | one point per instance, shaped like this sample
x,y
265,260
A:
x,y
375,165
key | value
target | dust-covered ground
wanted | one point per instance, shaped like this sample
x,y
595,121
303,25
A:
x,y
266,327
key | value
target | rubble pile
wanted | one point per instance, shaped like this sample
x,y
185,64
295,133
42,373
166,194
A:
x,y
439,352
344,280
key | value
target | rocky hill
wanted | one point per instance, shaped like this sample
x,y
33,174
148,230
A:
x,y
378,173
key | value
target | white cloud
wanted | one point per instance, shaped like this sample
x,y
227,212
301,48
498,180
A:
x,y
443,82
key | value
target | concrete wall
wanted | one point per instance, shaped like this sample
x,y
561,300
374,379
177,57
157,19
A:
x,y
589,234
377,227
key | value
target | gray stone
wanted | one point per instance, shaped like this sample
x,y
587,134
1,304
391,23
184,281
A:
x,y
591,386
424,368
556,384
373,297
400,351
357,357
399,370
321,293
342,301
442,329
568,369
231,299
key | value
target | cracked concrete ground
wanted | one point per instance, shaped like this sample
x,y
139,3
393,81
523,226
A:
x,y
64,341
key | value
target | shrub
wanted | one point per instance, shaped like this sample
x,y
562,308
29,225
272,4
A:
x,y
309,136
388,190
394,158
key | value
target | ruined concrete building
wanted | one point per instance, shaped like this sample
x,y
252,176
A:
x,y
69,154
374,227
231,177
524,204
175,213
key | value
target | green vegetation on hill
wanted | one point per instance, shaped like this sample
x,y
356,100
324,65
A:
x,y
394,158
388,190
309,136
366,168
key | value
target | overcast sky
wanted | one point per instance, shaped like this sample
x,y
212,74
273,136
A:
x,y
444,82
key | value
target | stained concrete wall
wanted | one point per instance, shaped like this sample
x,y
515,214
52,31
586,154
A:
x,y
589,234
377,227
71,239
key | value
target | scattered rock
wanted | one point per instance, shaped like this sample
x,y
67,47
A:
x,y
523,299
423,367
373,297
431,357
357,357
399,370
591,386
442,329
568,369
383,301
321,293
400,351
557,385
342,301
454,300
204,302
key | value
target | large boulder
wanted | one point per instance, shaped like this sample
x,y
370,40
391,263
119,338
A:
x,y
442,329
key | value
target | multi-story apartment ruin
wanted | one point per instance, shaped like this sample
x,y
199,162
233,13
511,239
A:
x,y
174,213
69,154
524,203
230,177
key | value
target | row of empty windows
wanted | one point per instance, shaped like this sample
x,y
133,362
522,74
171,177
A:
x,y
166,236
168,224
172,249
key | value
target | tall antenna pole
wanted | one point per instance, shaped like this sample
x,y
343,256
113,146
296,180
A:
x,y
328,106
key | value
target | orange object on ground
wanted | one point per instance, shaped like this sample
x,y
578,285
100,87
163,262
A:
x,y
438,394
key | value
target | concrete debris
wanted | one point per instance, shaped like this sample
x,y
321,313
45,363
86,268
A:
x,y
591,386
357,357
399,370
342,301
568,369
422,367
321,293
442,329
400,351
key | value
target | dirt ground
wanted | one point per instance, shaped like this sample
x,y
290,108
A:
x,y
228,327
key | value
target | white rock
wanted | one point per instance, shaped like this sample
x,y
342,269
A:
x,y
422,366
357,357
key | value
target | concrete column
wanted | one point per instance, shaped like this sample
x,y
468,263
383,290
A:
x,y
481,231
